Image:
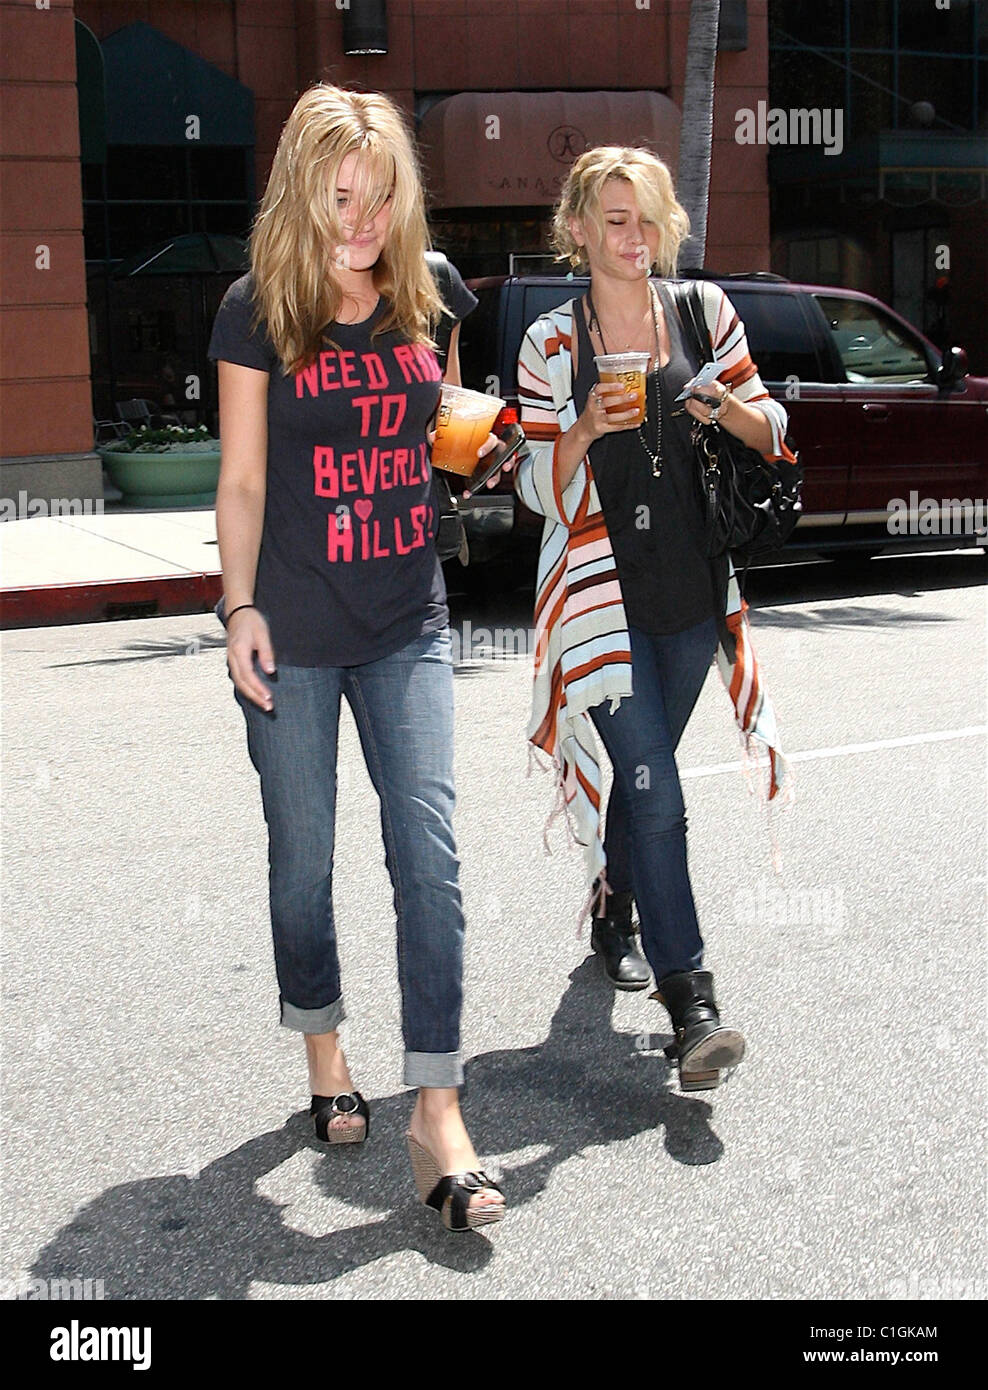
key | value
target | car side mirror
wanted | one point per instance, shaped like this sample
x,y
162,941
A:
x,y
953,365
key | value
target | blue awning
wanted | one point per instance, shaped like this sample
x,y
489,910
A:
x,y
154,85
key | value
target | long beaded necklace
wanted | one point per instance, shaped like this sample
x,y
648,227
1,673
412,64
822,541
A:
x,y
654,458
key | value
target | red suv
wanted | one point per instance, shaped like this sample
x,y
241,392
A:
x,y
892,433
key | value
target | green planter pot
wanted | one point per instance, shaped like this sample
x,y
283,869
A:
x,y
172,479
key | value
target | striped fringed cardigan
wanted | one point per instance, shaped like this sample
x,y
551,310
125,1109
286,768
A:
x,y
583,650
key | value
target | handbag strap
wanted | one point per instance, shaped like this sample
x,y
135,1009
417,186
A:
x,y
439,266
689,305
686,297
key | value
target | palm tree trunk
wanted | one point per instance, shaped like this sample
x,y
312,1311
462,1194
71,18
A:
x,y
696,135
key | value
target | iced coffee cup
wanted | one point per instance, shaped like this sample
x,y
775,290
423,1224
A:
x,y
463,423
630,369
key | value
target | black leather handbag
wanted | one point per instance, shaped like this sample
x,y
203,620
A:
x,y
752,505
450,535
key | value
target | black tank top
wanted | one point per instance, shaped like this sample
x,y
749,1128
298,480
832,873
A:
x,y
655,524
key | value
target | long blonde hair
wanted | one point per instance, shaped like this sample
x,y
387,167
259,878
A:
x,y
652,182
298,225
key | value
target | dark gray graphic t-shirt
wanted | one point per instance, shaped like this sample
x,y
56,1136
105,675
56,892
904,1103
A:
x,y
347,570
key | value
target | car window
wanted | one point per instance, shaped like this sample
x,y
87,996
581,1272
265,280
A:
x,y
479,345
779,338
872,345
540,298
478,339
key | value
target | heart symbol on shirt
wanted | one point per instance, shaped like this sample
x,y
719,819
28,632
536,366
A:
x,y
363,508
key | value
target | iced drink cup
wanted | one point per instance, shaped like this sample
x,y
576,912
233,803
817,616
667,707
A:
x,y
463,422
630,369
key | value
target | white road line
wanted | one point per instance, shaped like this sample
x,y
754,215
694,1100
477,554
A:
x,y
844,750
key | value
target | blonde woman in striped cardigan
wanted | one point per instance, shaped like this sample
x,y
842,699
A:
x,y
630,613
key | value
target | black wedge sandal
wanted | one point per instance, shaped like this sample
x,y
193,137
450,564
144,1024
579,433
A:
x,y
450,1194
326,1108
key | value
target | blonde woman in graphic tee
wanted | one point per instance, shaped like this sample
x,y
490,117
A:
x,y
332,587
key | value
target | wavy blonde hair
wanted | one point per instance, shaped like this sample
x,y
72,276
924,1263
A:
x,y
653,186
298,225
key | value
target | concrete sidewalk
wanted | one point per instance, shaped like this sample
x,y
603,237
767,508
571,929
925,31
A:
x,y
121,562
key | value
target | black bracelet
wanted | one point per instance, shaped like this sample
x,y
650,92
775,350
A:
x,y
238,608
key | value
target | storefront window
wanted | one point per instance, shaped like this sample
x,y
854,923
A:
x,y
825,55
872,101
158,191
815,260
800,79
947,83
932,28
821,23
872,25
480,240
150,330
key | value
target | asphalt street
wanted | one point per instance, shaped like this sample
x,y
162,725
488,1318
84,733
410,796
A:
x,y
154,1133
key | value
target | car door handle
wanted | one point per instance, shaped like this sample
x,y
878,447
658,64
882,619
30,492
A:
x,y
875,412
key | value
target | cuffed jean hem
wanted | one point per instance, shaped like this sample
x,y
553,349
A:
x,y
433,1069
324,1020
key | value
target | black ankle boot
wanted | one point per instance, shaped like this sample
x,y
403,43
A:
x,y
613,938
703,1045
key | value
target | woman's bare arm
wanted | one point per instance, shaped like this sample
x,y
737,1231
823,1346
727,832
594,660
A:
x,y
243,477
452,372
240,496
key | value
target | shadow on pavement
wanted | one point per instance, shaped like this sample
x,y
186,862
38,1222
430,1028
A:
x,y
494,618
210,1236
807,579
154,650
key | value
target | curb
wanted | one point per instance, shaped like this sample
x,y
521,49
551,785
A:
x,y
153,596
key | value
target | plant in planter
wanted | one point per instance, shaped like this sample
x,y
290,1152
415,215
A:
x,y
173,466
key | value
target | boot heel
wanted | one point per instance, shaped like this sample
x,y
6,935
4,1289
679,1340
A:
x,y
699,1080
703,1046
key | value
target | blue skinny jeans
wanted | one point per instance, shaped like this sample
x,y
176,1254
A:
x,y
645,837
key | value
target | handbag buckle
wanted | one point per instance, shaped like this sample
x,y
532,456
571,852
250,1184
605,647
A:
x,y
713,460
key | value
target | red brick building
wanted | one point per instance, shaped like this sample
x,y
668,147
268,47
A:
x,y
99,164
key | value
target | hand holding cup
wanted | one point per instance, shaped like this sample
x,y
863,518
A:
x,y
491,442
463,429
617,400
610,406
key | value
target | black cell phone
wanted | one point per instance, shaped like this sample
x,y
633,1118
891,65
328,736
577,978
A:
x,y
707,400
511,441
